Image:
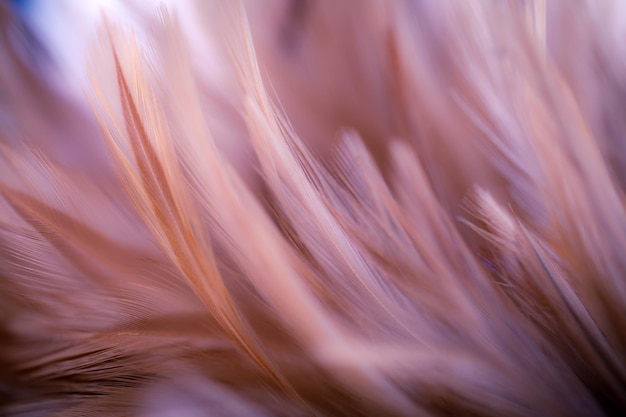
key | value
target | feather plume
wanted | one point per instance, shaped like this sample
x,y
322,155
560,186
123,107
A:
x,y
395,208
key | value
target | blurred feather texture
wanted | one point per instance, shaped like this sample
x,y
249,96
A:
x,y
316,207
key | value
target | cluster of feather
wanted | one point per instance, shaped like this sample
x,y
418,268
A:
x,y
340,208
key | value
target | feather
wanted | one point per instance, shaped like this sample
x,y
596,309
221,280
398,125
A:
x,y
402,208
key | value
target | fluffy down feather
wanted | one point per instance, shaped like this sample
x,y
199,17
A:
x,y
299,207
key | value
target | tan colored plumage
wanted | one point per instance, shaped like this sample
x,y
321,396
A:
x,y
377,208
